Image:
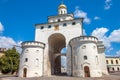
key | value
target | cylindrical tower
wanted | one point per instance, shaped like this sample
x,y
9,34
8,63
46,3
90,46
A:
x,y
31,59
85,57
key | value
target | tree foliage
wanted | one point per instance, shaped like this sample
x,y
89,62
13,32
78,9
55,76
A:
x,y
9,62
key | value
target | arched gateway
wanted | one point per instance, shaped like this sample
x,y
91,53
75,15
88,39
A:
x,y
56,41
43,56
87,71
25,72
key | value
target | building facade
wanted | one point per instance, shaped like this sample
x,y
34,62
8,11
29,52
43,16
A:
x,y
113,64
84,53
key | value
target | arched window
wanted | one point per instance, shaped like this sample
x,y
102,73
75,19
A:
x,y
58,20
64,24
111,61
42,27
85,57
108,69
49,26
64,12
118,68
113,68
116,61
107,61
73,23
26,59
26,51
84,46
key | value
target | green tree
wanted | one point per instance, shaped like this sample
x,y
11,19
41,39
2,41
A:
x,y
9,62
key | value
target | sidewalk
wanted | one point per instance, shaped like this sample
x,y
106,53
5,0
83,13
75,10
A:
x,y
112,76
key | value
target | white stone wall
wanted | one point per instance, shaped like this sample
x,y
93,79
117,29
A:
x,y
103,64
68,55
61,18
101,50
34,63
70,31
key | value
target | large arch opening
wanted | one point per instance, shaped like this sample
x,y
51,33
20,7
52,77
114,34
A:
x,y
57,42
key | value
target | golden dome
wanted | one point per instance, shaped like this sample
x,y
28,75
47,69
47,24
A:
x,y
62,6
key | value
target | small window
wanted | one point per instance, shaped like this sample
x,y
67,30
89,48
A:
x,y
64,24
58,20
64,12
113,68
116,61
111,61
56,27
94,47
108,69
49,26
26,59
42,27
107,61
83,47
26,51
118,69
73,23
61,12
37,51
85,57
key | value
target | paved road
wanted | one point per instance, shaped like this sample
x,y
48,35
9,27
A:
x,y
112,76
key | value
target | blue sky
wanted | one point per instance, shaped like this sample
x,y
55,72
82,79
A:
x,y
101,19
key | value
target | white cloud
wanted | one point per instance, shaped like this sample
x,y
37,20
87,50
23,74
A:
x,y
1,27
100,33
7,42
18,46
81,14
118,53
108,4
115,36
96,18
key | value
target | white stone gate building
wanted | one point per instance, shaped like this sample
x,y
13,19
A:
x,y
42,57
